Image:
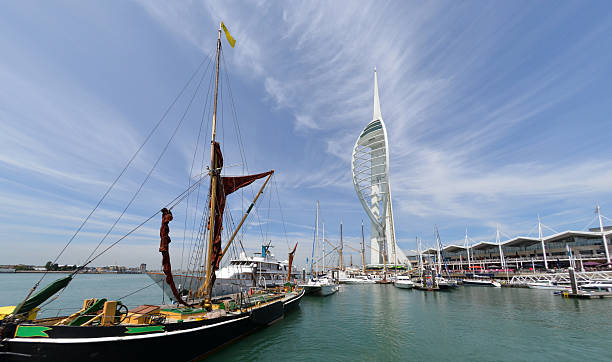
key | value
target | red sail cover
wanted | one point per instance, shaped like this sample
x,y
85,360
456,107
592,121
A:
x,y
226,186
164,248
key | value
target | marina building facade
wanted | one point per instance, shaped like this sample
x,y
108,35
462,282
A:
x,y
583,248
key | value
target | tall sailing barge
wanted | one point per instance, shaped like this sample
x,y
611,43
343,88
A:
x,y
106,330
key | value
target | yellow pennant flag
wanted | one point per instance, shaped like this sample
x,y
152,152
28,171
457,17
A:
x,y
229,36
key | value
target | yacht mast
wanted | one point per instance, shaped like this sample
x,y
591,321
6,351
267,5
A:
x,y
214,179
323,246
439,253
341,246
384,259
363,249
418,242
317,233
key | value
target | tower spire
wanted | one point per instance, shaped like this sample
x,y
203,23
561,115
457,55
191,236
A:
x,y
377,115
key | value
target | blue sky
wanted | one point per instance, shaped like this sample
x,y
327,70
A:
x,y
496,112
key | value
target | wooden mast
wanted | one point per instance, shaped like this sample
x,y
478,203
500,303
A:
x,y
214,179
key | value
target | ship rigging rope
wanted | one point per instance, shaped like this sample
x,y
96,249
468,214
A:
x,y
129,163
194,249
139,290
177,200
280,208
193,161
197,245
161,155
245,167
239,140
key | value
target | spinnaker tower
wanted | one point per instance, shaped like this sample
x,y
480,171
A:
x,y
370,170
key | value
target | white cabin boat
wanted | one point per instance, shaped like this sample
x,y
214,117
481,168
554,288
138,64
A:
x,y
482,282
260,270
548,285
597,286
404,282
320,286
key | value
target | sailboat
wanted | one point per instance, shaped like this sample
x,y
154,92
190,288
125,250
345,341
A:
x,y
357,277
105,330
428,280
402,281
443,283
319,284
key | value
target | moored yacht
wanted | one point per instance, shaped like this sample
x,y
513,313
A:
x,y
260,270
404,282
547,285
597,286
320,286
357,279
445,283
481,282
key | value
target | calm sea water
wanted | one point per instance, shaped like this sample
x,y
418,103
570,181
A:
x,y
383,323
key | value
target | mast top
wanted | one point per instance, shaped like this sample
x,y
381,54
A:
x,y
377,115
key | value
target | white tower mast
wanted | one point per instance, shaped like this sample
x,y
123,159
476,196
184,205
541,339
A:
x,y
317,233
501,252
603,237
370,170
542,242
466,243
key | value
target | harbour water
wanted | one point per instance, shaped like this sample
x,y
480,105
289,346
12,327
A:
x,y
383,323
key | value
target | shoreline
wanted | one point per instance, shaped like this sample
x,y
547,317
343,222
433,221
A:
x,y
64,272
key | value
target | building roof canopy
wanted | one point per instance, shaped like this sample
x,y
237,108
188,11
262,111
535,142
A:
x,y
483,245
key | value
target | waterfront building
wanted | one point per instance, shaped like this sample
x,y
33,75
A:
x,y
586,248
370,170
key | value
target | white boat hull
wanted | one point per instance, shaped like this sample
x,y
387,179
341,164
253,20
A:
x,y
404,284
482,283
547,286
326,290
356,281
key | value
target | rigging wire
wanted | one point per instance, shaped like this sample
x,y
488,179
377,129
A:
x,y
240,143
280,208
152,168
112,185
177,200
195,152
139,290
238,139
194,245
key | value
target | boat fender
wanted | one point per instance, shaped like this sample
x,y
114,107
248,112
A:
x,y
258,304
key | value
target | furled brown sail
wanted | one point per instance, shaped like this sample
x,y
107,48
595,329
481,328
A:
x,y
226,186
164,248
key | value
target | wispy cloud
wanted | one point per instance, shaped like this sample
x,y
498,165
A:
x,y
495,112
